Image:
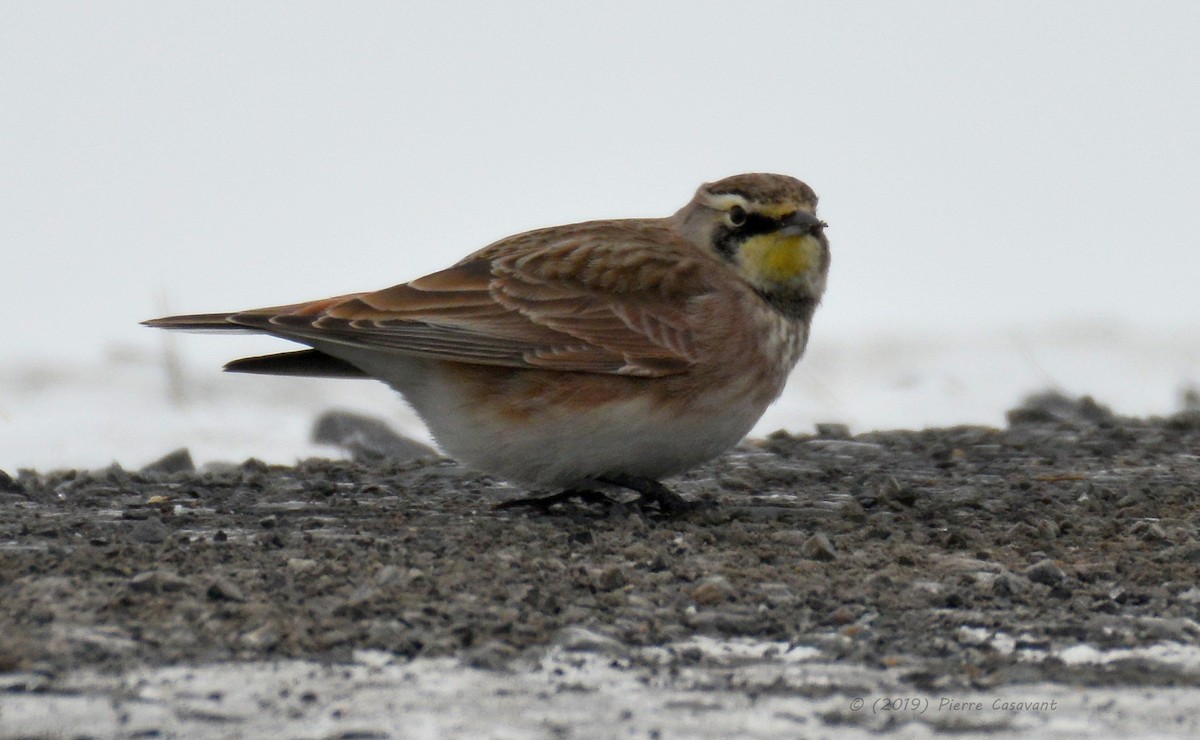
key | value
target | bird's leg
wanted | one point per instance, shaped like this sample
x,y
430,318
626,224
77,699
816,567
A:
x,y
652,492
543,504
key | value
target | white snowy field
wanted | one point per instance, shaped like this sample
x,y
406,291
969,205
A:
x,y
127,408
754,689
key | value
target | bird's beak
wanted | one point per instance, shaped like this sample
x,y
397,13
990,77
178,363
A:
x,y
802,223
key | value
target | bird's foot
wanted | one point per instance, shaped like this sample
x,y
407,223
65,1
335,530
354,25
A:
x,y
650,493
671,504
543,504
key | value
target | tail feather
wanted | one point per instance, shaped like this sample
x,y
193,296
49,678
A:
x,y
309,363
200,322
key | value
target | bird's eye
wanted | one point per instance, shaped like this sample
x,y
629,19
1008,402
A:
x,y
737,216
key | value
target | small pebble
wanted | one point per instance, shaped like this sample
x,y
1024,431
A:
x,y
150,531
842,615
818,547
795,537
302,566
831,430
1047,530
844,446
1046,572
157,581
222,590
580,640
610,579
712,590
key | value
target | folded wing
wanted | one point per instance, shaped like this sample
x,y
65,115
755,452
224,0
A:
x,y
583,302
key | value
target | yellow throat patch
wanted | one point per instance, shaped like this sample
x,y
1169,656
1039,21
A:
x,y
779,259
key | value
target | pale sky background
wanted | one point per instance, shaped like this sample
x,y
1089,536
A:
x,y
983,166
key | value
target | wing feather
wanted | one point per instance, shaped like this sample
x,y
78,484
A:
x,y
620,297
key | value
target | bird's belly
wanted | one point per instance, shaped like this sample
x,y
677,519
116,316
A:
x,y
564,447
553,429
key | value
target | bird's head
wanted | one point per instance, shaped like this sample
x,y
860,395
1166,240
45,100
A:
x,y
767,228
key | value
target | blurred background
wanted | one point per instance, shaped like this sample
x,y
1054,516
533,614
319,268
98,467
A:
x,y
1012,191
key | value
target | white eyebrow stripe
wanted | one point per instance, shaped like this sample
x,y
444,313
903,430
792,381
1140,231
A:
x,y
725,201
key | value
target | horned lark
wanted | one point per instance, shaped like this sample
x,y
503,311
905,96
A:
x,y
612,352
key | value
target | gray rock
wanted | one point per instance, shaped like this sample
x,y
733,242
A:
x,y
712,590
581,640
795,537
8,484
844,446
179,461
158,581
1186,420
818,547
366,438
831,430
490,656
1191,399
302,566
1052,406
1045,571
893,491
263,637
608,579
150,530
1178,629
222,590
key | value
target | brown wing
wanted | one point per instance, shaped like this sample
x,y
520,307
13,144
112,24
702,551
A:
x,y
622,297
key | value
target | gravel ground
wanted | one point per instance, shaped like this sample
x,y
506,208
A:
x,y
955,561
